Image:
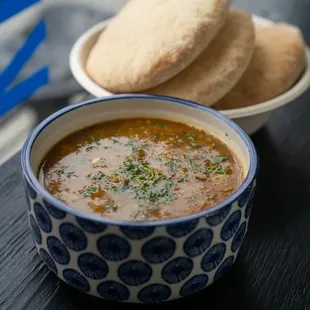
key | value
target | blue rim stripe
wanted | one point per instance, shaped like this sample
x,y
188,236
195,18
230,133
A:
x,y
31,177
9,8
23,90
36,37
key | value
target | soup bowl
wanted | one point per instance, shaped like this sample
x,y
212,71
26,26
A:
x,y
146,261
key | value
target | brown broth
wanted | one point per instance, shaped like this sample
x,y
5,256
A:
x,y
141,169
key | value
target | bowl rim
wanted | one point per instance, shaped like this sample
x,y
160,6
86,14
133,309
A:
x,y
31,178
93,88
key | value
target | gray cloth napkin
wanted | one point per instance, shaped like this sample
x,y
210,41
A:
x,y
65,23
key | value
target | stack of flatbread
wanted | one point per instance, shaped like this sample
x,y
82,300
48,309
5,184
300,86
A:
x,y
199,50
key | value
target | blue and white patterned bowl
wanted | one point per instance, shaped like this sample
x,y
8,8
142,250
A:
x,y
137,261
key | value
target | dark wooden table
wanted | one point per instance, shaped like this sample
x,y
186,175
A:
x,y
273,268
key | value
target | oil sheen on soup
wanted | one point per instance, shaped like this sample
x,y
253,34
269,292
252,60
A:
x,y
141,170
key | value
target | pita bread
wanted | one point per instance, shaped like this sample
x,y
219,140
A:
x,y
150,41
217,70
278,62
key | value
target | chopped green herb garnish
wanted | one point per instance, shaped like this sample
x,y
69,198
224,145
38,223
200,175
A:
x,y
194,164
216,166
146,183
112,207
130,143
220,159
98,176
190,136
219,170
90,190
160,125
195,145
172,164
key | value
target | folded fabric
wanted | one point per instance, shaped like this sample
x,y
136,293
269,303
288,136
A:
x,y
13,93
54,52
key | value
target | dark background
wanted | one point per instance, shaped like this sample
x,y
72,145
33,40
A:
x,y
272,270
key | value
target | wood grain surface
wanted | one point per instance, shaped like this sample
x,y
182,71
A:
x,y
272,270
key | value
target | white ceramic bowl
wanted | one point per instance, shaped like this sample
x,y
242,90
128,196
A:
x,y
250,119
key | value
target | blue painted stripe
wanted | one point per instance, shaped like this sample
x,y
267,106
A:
x,y
23,90
9,8
36,37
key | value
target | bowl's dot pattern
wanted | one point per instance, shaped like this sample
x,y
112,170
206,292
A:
x,y
135,272
48,260
213,257
238,237
76,280
177,270
58,250
135,263
198,242
231,225
182,229
56,213
154,293
158,250
137,233
242,201
194,285
113,247
112,290
224,267
91,226
35,230
42,218
219,216
73,237
92,266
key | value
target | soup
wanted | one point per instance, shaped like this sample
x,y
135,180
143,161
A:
x,y
141,170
